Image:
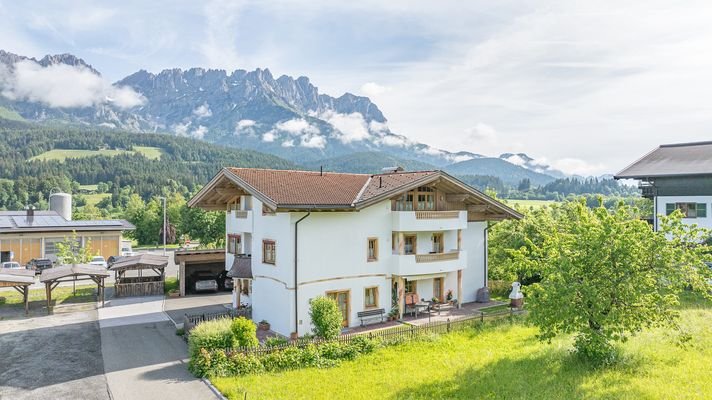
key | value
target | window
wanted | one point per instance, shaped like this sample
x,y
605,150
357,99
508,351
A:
x,y
372,249
410,286
410,244
405,202
370,297
689,210
269,250
438,243
267,211
234,244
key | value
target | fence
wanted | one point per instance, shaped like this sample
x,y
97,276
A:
x,y
190,321
404,332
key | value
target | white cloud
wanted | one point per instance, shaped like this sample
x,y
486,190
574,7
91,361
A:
x,y
63,86
199,132
269,137
577,166
297,126
203,111
219,45
181,129
456,158
378,127
516,160
372,89
348,127
431,151
245,127
288,143
313,141
393,140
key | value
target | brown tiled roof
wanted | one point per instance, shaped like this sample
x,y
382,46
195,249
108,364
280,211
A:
x,y
384,183
304,187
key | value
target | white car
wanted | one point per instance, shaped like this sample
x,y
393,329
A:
x,y
11,265
98,260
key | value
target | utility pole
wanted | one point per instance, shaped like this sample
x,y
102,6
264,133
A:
x,y
165,228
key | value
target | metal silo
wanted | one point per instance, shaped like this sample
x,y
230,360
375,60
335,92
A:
x,y
61,203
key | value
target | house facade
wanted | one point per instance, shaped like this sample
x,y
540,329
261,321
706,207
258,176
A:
x,y
676,177
364,240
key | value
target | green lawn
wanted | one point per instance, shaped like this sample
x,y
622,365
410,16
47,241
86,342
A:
x,y
6,113
95,198
62,154
89,188
60,295
503,361
530,203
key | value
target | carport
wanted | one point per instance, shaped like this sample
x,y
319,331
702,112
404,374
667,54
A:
x,y
140,285
52,277
194,260
20,280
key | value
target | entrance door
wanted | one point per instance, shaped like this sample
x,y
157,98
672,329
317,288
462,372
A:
x,y
342,299
438,288
438,243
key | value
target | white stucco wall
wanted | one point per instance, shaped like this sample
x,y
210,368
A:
x,y
473,240
702,222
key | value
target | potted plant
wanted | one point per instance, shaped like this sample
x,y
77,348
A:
x,y
393,314
435,300
264,325
448,296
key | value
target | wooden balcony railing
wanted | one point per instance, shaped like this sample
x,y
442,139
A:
x,y
435,257
437,214
241,214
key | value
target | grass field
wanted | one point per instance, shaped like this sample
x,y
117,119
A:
x,y
94,198
504,361
11,115
153,153
530,203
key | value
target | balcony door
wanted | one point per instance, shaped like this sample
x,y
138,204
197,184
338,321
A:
x,y
342,300
438,246
411,246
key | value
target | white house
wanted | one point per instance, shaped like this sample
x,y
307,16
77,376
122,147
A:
x,y
676,176
364,240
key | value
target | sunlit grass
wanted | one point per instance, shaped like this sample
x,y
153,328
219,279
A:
x,y
504,361
61,155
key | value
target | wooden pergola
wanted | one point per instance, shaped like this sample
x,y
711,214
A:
x,y
140,285
20,280
52,277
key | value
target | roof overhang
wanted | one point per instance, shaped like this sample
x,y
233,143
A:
x,y
224,188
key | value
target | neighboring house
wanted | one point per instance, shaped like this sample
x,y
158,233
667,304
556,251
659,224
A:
x,y
29,234
676,177
364,240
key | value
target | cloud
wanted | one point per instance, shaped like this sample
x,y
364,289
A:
x,y
393,140
378,127
482,133
297,126
219,45
577,166
199,132
431,151
181,129
313,141
516,160
269,137
203,111
63,86
372,89
245,127
288,143
348,127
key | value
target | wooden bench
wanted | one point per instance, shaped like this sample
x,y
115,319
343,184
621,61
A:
x,y
368,314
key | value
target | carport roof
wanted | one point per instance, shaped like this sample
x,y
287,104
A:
x,y
141,261
17,277
53,274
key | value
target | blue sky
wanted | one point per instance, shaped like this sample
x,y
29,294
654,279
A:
x,y
585,86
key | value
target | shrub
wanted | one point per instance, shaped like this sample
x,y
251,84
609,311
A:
x,y
244,364
210,335
275,341
244,333
200,363
326,317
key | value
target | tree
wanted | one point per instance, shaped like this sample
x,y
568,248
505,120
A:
x,y
71,251
524,185
606,275
326,317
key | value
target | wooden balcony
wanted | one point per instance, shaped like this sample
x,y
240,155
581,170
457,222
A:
x,y
437,214
435,257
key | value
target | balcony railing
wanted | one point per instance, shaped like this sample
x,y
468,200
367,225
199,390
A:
x,y
436,214
435,257
241,214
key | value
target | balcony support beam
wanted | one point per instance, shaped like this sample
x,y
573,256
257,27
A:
x,y
459,288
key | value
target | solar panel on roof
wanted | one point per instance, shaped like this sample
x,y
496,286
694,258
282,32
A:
x,y
49,221
5,222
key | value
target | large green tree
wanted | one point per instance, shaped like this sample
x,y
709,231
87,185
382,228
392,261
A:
x,y
606,275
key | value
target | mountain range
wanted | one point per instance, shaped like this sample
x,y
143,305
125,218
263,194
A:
x,y
253,110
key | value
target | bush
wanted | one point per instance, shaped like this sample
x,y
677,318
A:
x,y
244,364
244,333
326,317
275,341
210,335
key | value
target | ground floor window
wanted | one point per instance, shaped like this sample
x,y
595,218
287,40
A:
x,y
269,250
371,297
410,286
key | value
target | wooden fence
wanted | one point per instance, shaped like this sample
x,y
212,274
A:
x,y
190,321
398,333
127,289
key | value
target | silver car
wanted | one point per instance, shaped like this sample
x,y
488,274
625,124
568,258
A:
x,y
11,265
205,282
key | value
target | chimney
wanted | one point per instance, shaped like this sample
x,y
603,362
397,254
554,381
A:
x,y
380,182
30,211
321,170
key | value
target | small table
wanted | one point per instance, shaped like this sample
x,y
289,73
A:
x,y
420,307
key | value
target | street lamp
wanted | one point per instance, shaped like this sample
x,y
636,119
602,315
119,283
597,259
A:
x,y
165,228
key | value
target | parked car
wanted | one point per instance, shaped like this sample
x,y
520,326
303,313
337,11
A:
x,y
39,264
11,265
224,282
99,261
204,281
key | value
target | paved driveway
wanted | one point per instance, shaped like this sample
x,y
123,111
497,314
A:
x,y
52,357
143,357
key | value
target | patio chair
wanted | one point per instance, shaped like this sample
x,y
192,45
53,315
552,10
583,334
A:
x,y
411,299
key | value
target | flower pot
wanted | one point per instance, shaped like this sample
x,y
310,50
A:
x,y
264,326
